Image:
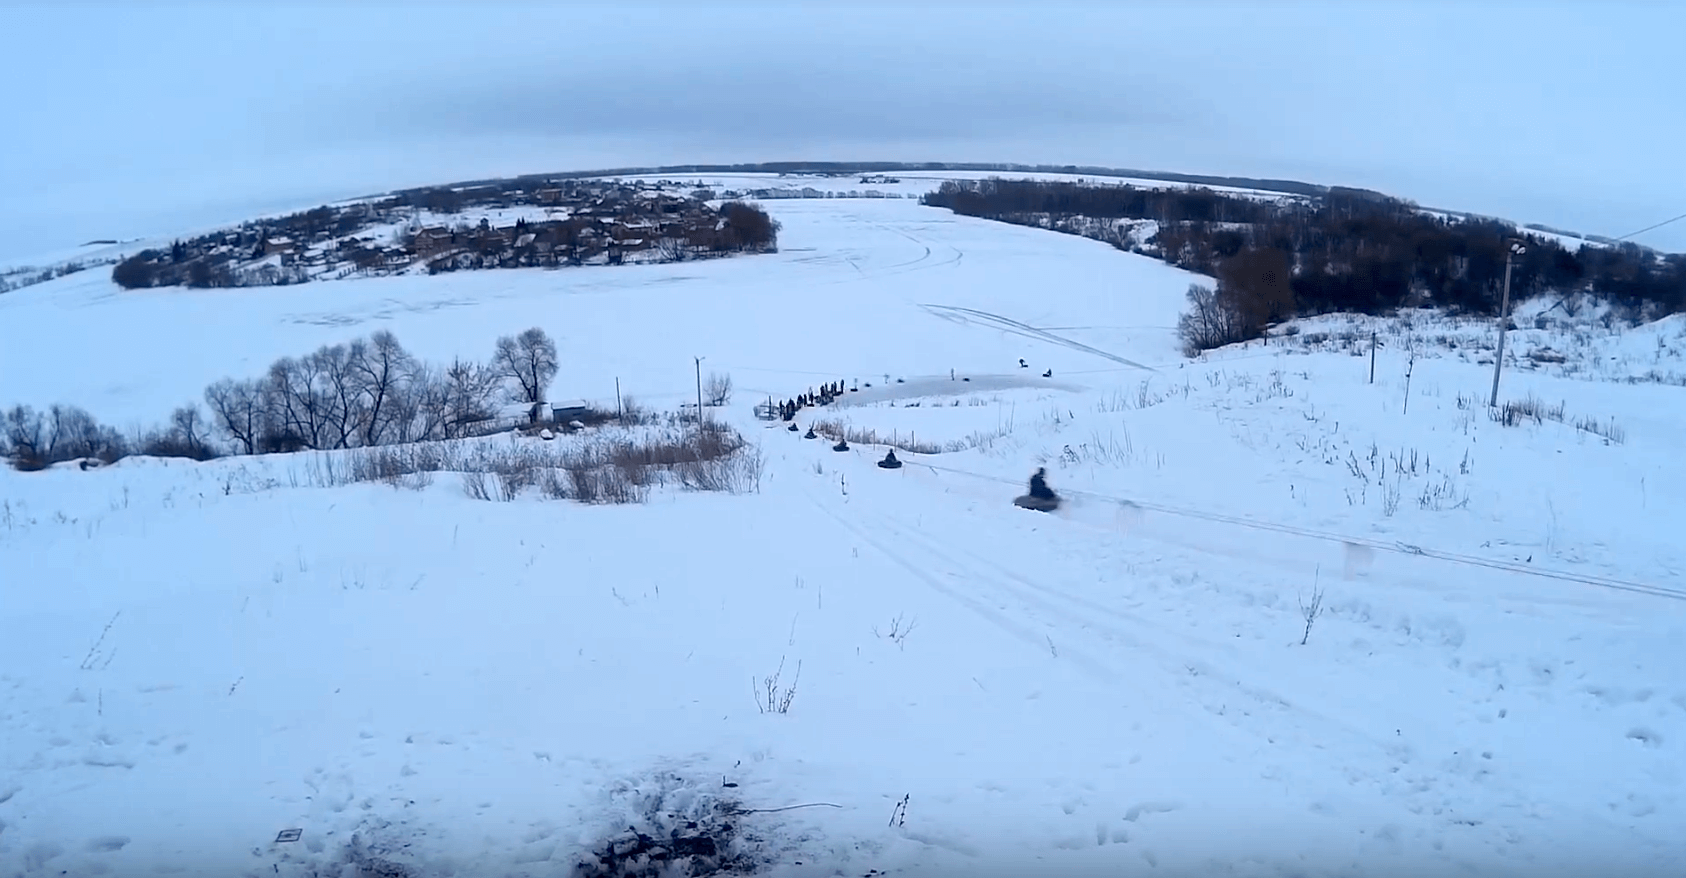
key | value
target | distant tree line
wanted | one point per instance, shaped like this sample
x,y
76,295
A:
x,y
1343,251
369,392
848,169
23,277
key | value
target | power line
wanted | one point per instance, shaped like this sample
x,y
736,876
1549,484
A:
x,y
1649,228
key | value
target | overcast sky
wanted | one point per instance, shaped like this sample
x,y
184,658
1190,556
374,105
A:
x,y
146,118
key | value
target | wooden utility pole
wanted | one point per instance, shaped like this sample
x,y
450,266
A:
x,y
699,394
1516,249
620,412
1372,358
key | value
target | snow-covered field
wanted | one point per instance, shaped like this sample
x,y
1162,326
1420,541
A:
x,y
195,657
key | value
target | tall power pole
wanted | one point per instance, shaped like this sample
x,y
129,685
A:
x,y
699,394
1516,249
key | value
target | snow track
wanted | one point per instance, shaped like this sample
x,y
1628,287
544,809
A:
x,y
1410,549
964,316
1156,666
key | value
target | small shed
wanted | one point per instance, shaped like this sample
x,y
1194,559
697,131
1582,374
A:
x,y
568,410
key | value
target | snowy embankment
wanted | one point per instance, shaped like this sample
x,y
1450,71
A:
x,y
1289,622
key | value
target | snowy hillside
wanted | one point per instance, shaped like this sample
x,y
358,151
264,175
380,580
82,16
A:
x,y
1291,620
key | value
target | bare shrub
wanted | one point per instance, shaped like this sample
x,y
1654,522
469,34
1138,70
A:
x,y
26,435
474,485
390,464
512,482
1213,320
185,438
716,474
717,391
552,485
36,440
607,484
634,415
75,434
416,481
591,468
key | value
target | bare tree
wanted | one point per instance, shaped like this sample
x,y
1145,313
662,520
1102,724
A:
x,y
338,389
238,409
403,409
299,410
718,389
673,248
380,371
469,391
26,432
1211,321
423,412
529,359
188,423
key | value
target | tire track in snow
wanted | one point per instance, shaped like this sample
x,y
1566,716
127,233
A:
x,y
1427,786
1094,669
1081,613
958,253
957,314
1396,547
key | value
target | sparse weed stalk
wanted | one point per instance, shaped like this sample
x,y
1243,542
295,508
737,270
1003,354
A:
x,y
1356,467
1113,404
1391,496
1442,495
1611,431
1530,408
1310,611
899,629
1146,398
770,697
1106,450
1276,389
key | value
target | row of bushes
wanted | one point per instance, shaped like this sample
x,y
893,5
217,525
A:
x,y
370,392
614,467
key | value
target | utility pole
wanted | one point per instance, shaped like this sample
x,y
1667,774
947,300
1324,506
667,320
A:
x,y
699,394
1516,249
1372,358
